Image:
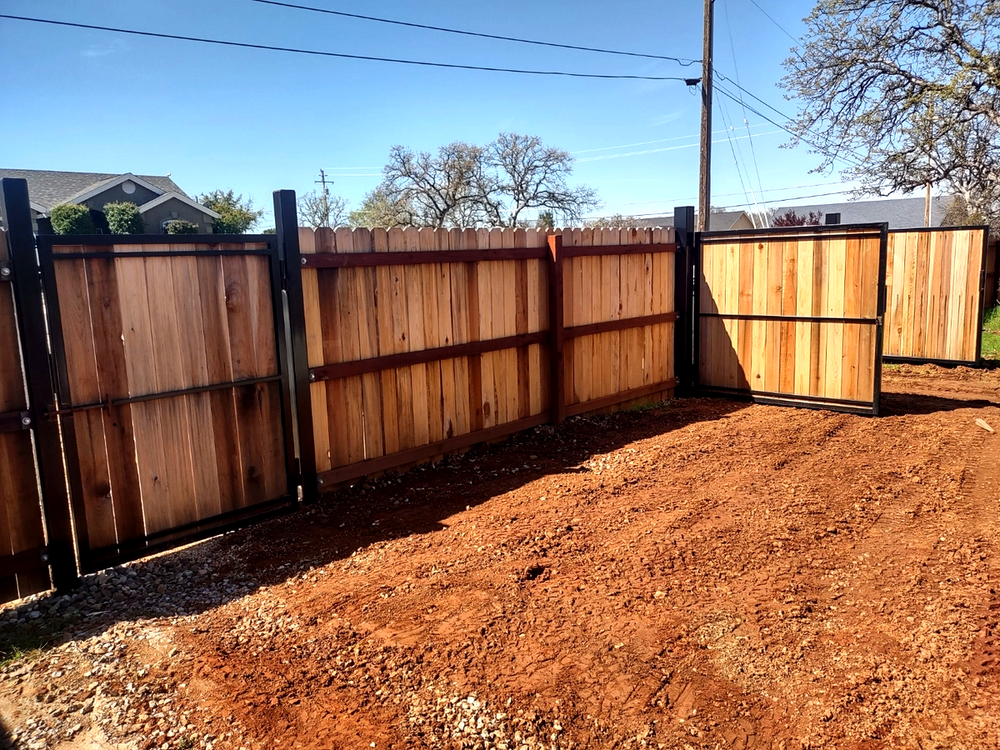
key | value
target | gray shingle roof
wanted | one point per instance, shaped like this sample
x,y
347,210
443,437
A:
x,y
900,213
47,188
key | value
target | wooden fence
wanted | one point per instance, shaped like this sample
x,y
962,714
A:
x,y
935,292
22,536
170,386
793,315
422,342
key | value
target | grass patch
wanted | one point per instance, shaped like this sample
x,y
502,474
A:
x,y
991,335
30,641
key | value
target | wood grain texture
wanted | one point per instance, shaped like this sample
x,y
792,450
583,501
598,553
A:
x,y
789,276
933,294
136,326
21,528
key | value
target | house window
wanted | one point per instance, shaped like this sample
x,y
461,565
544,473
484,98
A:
x,y
128,187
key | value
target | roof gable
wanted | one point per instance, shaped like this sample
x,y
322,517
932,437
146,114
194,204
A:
x,y
50,188
180,197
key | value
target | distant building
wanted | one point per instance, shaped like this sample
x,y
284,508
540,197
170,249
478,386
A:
x,y
160,200
899,213
718,221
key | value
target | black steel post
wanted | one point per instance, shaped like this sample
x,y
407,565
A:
x,y
287,228
685,294
15,210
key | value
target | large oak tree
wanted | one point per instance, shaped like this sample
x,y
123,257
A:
x,y
907,91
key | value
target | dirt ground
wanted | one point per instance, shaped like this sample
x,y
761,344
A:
x,y
705,574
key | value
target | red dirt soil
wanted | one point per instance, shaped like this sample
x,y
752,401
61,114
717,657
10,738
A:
x,y
706,574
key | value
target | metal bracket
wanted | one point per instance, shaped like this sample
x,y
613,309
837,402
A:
x,y
6,271
16,421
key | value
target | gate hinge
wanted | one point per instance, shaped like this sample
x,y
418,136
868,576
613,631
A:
x,y
26,421
6,271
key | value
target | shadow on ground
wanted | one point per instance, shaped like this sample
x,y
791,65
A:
x,y
901,404
209,574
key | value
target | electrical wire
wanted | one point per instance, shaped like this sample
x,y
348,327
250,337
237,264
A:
x,y
660,150
645,143
753,151
741,205
853,161
342,55
679,60
774,22
729,136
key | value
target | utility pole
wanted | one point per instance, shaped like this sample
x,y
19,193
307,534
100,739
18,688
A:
x,y
927,206
705,180
322,179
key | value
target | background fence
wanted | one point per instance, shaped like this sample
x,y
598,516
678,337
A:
x,y
419,342
793,315
935,291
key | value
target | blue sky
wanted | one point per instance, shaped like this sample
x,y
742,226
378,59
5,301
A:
x,y
256,121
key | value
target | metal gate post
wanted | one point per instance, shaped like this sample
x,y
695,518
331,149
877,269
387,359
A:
x,y
287,229
15,210
685,301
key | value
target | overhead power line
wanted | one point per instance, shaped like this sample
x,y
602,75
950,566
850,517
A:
x,y
853,161
342,55
774,22
679,60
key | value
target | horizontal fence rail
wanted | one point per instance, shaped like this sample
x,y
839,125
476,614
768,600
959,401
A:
x,y
423,342
793,316
170,364
936,293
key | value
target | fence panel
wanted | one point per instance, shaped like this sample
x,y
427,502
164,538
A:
x,y
619,316
935,281
409,357
171,387
793,316
23,560
420,342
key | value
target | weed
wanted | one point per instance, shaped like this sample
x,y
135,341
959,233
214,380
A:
x,y
991,335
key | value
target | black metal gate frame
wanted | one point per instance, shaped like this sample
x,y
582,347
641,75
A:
x,y
981,307
64,409
785,399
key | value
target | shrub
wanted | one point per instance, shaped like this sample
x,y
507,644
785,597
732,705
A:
x,y
124,218
70,218
181,226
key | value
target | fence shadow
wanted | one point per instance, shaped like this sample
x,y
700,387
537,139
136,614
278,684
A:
x,y
901,404
210,574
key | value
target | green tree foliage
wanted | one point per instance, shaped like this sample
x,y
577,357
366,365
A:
x,y
236,215
908,91
379,209
124,218
70,218
463,184
181,226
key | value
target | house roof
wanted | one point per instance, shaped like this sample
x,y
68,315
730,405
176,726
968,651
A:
x,y
900,213
48,188
177,196
717,221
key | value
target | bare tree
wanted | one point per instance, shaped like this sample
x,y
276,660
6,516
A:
x,y
437,188
494,185
907,91
320,209
532,175
379,209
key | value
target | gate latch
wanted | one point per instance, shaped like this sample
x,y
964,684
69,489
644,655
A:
x,y
6,271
